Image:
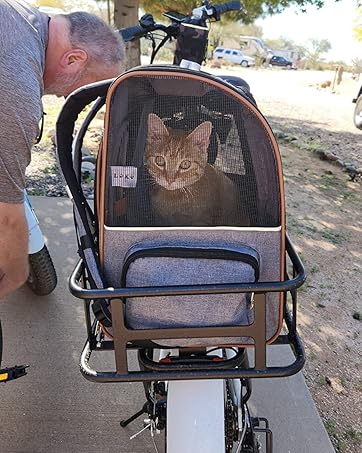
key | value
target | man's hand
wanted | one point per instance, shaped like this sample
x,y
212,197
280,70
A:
x,y
14,236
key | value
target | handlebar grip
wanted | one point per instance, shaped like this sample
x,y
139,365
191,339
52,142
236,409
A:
x,y
224,7
131,33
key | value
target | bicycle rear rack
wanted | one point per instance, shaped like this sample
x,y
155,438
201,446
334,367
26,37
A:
x,y
126,339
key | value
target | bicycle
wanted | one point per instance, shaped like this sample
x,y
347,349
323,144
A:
x,y
136,271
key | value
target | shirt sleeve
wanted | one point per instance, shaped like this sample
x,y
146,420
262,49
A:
x,y
20,110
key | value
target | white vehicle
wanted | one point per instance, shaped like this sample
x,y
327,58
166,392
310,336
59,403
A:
x,y
234,56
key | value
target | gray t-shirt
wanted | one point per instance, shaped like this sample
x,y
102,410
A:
x,y
23,42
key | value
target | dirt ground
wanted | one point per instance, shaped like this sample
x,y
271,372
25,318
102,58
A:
x,y
293,102
324,222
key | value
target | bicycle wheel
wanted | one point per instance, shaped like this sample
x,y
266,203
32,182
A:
x,y
42,276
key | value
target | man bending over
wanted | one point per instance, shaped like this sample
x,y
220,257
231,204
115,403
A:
x,y
39,55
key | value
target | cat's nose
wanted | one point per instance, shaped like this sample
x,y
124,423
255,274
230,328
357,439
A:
x,y
171,184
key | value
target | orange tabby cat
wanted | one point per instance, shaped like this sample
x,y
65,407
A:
x,y
186,190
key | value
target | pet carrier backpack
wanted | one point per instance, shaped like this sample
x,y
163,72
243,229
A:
x,y
158,275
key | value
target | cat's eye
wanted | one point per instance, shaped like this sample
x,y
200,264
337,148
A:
x,y
160,161
185,164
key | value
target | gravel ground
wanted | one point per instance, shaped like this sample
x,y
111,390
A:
x,y
293,103
324,222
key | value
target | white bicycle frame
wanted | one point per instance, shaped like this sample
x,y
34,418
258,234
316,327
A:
x,y
36,239
196,412
195,416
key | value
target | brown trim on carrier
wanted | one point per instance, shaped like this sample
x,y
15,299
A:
x,y
231,92
98,175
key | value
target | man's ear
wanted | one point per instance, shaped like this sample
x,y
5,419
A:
x,y
74,59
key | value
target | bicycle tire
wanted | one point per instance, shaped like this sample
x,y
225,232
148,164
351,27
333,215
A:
x,y
42,278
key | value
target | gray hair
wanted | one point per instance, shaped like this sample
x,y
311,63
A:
x,y
103,44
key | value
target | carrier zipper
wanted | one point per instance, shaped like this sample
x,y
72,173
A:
x,y
183,252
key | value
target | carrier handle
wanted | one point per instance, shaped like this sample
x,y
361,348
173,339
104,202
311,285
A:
x,y
72,107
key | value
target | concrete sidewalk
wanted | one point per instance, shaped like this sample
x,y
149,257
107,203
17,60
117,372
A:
x,y
55,410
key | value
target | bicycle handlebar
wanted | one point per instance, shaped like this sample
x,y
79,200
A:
x,y
225,7
131,33
147,23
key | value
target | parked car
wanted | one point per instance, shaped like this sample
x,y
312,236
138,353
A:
x,y
281,61
357,115
234,56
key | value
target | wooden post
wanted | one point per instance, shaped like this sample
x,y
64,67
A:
x,y
339,74
334,79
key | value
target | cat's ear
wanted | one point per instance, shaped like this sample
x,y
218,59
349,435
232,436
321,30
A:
x,y
156,130
200,137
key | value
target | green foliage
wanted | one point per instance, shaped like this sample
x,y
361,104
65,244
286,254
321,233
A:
x,y
61,4
317,48
67,5
357,66
320,46
357,29
285,43
250,9
280,43
330,426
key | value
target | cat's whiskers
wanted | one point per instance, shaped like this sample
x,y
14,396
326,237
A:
x,y
150,180
189,192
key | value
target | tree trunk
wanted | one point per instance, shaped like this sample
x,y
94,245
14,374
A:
x,y
109,11
126,15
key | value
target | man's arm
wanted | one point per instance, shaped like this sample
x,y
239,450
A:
x,y
14,268
20,110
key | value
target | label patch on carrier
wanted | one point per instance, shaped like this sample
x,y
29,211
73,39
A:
x,y
123,176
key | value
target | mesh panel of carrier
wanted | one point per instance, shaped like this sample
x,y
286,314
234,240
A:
x,y
185,145
187,163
